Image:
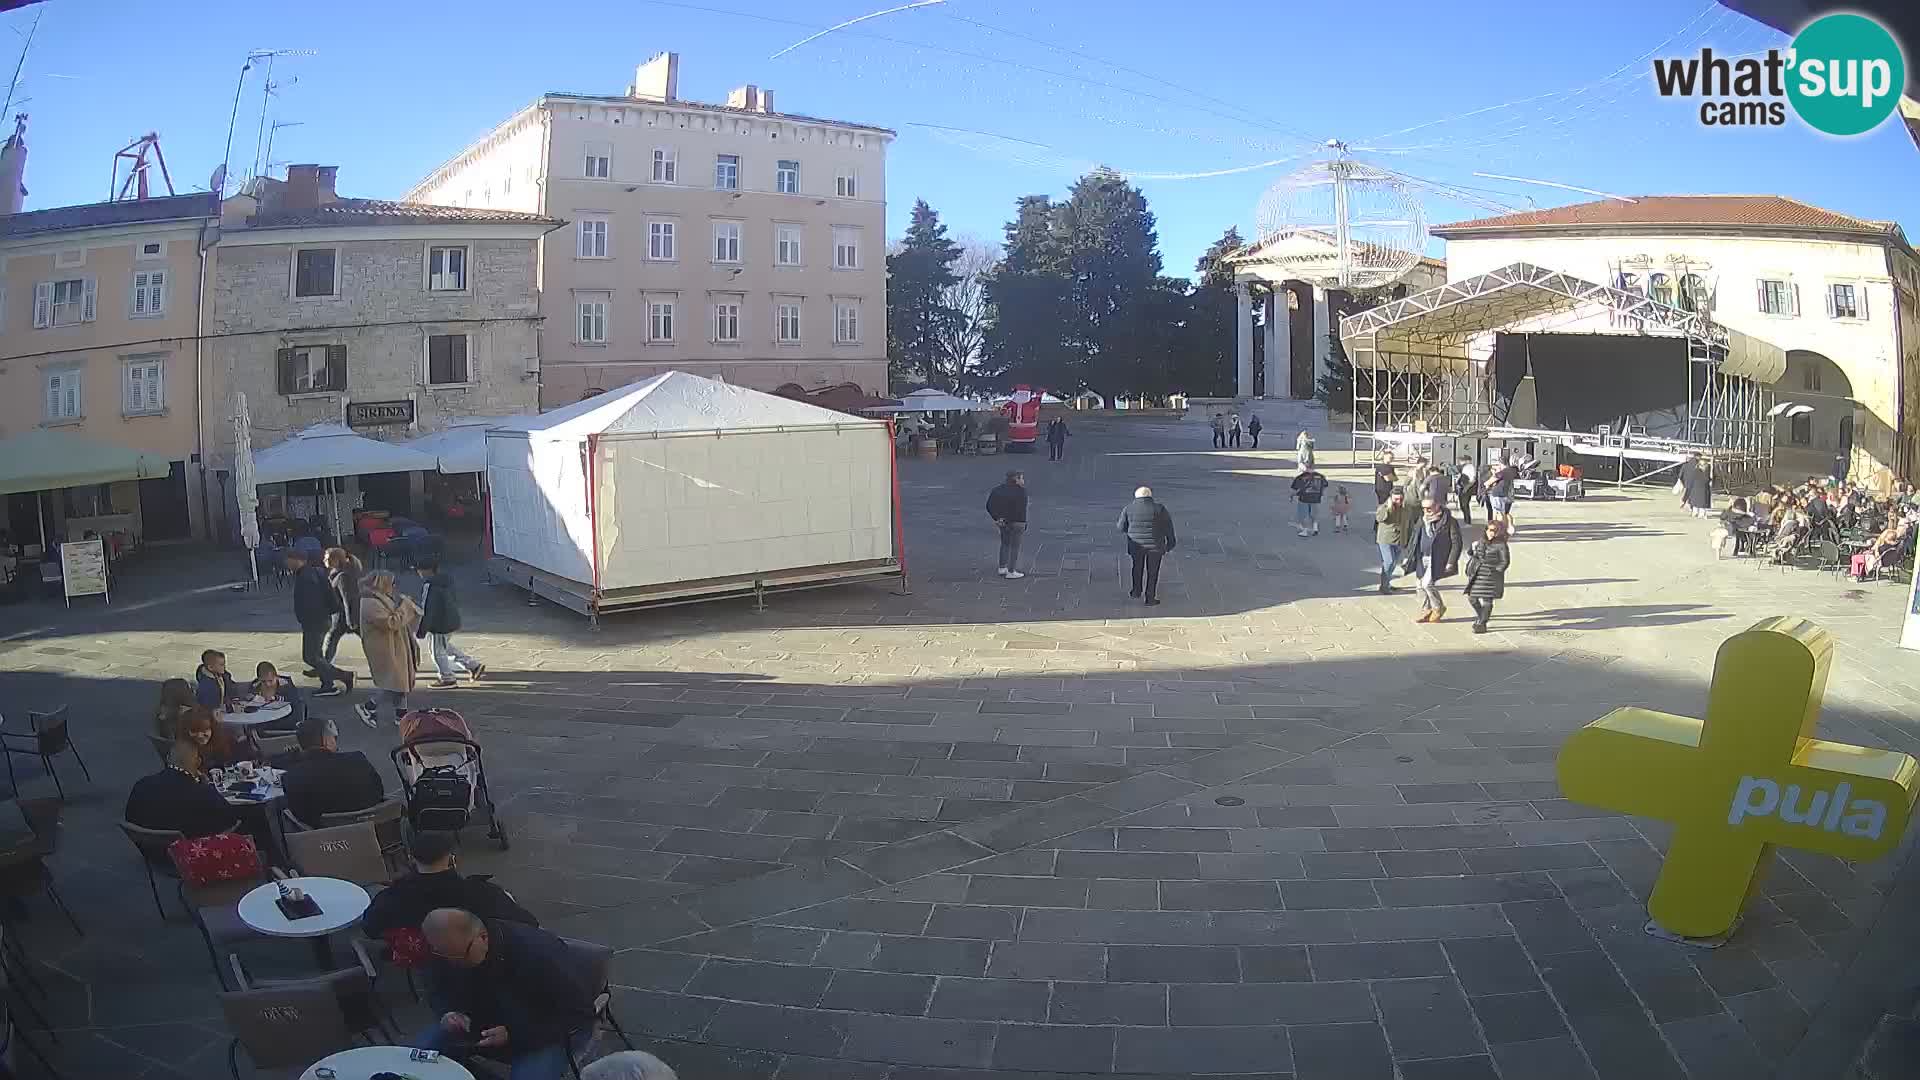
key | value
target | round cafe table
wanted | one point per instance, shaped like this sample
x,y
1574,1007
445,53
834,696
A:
x,y
363,1061
341,905
266,714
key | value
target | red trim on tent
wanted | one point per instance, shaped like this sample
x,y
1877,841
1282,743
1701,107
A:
x,y
899,529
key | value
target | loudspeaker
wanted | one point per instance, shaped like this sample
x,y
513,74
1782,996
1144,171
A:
x,y
1443,450
1549,454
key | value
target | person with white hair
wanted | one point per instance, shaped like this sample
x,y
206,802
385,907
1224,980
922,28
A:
x,y
1149,530
628,1065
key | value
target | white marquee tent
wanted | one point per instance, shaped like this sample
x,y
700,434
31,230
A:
x,y
680,488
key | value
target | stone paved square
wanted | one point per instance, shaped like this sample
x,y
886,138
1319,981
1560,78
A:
x,y
990,828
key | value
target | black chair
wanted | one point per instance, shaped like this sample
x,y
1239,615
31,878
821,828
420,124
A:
x,y
152,844
45,737
23,869
598,959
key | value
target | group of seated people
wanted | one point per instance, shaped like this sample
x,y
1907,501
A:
x,y
1792,520
318,778
214,689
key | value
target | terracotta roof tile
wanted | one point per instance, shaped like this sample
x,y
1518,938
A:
x,y
345,212
97,215
1764,211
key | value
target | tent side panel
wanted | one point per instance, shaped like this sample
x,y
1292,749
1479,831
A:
x,y
539,491
691,508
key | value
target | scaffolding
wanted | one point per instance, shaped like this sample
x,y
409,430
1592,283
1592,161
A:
x,y
1423,364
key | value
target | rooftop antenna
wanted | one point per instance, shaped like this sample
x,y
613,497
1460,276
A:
x,y
138,152
267,162
267,87
20,65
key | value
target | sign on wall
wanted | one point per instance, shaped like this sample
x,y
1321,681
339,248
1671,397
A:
x,y
83,566
362,414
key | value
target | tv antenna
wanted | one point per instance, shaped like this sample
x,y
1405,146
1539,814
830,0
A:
x,y
138,152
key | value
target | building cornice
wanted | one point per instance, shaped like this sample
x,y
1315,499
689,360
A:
x,y
327,235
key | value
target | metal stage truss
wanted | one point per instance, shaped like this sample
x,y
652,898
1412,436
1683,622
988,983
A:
x,y
1423,364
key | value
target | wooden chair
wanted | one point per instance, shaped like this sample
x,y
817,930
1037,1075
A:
x,y
45,738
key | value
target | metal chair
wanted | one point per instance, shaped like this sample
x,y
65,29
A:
x,y
1830,558
152,845
272,746
290,1025
46,737
388,818
23,870
348,852
162,749
598,960
215,910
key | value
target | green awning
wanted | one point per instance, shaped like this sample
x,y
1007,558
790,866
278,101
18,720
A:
x,y
44,459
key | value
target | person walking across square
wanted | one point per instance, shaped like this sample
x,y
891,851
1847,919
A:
x,y
1057,439
440,606
387,621
1149,530
1488,560
1233,430
1007,506
1253,430
1307,489
313,609
1433,555
1391,530
1341,505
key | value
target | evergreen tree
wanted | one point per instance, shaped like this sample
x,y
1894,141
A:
x,y
1335,385
1205,364
919,272
1026,295
1112,260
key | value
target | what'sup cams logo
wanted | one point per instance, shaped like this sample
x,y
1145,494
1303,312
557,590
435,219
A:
x,y
1843,74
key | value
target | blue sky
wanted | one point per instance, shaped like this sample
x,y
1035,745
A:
x,y
991,99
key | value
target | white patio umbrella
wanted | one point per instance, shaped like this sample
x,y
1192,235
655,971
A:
x,y
461,448
330,451
930,400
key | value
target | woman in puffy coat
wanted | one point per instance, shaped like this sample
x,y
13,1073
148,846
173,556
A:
x,y
1487,562
387,622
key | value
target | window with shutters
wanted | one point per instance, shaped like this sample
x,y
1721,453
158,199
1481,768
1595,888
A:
x,y
846,249
149,294
315,273
1660,287
786,245
63,303
660,320
786,177
726,241
599,162
446,269
1779,297
313,369
64,400
726,172
1694,294
592,308
846,185
593,238
787,324
666,165
447,360
846,322
660,236
726,320
144,392
1846,300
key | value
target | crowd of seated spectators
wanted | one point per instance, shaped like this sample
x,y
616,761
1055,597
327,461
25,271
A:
x,y
1786,524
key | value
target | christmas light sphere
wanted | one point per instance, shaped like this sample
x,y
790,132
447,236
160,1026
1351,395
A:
x,y
1301,218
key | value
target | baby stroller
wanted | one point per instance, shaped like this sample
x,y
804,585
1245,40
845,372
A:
x,y
442,774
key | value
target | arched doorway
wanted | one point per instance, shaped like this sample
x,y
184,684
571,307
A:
x,y
1814,429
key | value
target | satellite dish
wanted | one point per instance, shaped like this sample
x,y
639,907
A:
x,y
217,183
1343,221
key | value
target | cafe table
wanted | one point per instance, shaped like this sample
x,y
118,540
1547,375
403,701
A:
x,y
364,1061
341,905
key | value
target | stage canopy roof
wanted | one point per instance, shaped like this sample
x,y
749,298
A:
x,y
1431,331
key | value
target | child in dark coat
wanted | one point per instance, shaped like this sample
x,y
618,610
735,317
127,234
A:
x,y
441,607
1487,562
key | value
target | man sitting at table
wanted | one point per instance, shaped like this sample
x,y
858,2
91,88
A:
x,y
507,991
320,779
214,685
176,800
436,882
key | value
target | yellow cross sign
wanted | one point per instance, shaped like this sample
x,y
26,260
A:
x,y
1750,776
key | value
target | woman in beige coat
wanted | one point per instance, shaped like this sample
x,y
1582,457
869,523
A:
x,y
387,622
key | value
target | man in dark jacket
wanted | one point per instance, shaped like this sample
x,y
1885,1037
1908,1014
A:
x,y
172,801
440,606
1057,439
436,882
1007,506
1432,556
322,780
508,990
313,609
1149,529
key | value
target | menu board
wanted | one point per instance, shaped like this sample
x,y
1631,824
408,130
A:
x,y
83,565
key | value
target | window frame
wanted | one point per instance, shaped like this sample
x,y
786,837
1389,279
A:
x,y
1800,430
786,176
780,310
581,231
846,321
466,360
155,309
846,183
588,157
659,308
723,161
1856,299
1786,291
665,165
780,229
156,385
293,274
721,243
842,232
76,390
466,268
290,388
663,240
738,317
604,301
47,304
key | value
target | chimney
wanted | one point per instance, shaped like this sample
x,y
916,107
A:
x,y
308,187
750,98
766,100
13,168
658,79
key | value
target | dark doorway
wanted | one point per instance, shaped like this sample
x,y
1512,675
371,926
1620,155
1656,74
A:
x,y
387,491
24,517
1843,464
163,506
1298,300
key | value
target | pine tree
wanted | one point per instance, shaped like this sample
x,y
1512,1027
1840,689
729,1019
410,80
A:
x,y
919,272
1205,365
1026,295
1335,385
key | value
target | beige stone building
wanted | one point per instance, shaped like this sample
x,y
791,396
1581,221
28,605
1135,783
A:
x,y
395,319
98,312
730,241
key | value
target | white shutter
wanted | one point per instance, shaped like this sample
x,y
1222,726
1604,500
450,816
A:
x,y
43,305
156,291
53,396
1860,298
1793,298
1831,309
133,395
1760,295
86,307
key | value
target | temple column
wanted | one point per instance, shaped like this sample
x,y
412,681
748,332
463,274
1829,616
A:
x,y
1243,340
1279,341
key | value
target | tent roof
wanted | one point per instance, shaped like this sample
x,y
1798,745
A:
x,y
931,400
675,402
41,459
461,448
334,450
1433,328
